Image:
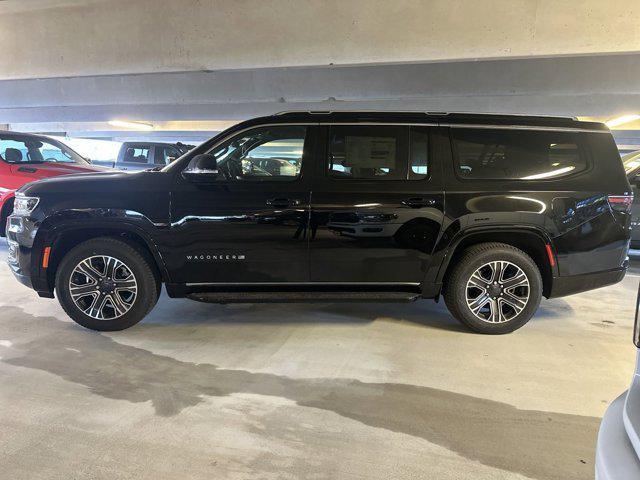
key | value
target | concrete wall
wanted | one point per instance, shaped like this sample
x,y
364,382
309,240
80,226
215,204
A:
x,y
54,38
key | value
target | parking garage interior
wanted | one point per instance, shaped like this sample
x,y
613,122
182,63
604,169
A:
x,y
318,390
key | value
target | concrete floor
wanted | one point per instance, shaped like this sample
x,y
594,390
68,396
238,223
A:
x,y
327,391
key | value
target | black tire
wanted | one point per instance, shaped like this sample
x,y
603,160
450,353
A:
x,y
147,283
480,257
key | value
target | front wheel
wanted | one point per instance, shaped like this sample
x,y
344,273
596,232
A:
x,y
105,284
493,288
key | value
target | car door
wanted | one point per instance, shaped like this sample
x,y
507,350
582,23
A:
x,y
377,205
248,226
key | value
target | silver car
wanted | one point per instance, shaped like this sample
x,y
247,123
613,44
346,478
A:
x,y
618,449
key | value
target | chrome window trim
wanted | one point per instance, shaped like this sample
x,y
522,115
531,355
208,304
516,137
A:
x,y
522,127
410,124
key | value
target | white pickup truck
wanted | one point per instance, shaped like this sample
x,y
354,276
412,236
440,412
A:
x,y
136,156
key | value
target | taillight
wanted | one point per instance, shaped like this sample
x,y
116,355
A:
x,y
620,203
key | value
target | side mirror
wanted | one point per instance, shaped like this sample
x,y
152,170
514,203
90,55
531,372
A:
x,y
202,168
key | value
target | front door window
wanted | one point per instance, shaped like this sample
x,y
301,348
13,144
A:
x,y
262,154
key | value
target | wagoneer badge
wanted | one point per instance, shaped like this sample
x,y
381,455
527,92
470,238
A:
x,y
214,257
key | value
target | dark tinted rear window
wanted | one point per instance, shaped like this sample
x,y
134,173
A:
x,y
368,152
517,154
379,152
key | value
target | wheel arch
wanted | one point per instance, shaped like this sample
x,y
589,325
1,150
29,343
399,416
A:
x,y
64,238
531,240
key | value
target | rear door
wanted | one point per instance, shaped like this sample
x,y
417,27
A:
x,y
377,205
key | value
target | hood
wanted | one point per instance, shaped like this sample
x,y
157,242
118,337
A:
x,y
91,183
52,169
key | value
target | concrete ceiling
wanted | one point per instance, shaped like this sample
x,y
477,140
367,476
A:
x,y
49,38
84,63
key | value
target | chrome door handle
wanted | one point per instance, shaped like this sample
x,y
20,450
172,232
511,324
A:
x,y
283,202
417,202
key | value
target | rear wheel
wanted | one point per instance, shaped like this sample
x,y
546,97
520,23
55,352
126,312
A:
x,y
105,284
493,288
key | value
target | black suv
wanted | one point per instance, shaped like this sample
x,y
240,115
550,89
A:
x,y
491,211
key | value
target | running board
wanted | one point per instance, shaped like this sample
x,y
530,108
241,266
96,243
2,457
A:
x,y
302,297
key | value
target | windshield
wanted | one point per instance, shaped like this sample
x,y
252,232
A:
x,y
631,161
35,150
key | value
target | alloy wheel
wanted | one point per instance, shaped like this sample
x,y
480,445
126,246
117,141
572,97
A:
x,y
497,292
103,287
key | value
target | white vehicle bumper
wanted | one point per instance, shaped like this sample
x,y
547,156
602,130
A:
x,y
616,458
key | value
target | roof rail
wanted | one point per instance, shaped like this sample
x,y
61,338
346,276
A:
x,y
313,112
328,112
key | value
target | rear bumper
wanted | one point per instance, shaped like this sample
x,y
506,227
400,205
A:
x,y
570,284
615,457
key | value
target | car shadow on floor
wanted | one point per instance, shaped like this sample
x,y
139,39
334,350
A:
x,y
181,311
423,312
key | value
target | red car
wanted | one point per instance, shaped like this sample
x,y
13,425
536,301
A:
x,y
25,158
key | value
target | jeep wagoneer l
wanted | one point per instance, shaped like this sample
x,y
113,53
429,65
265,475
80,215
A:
x,y
492,212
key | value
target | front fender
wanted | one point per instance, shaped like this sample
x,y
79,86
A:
x,y
53,231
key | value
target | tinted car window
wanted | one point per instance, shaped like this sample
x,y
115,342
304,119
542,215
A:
x,y
368,152
512,154
379,152
262,154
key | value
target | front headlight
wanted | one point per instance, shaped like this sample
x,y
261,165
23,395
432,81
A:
x,y
24,205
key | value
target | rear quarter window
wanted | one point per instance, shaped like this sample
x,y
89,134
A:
x,y
502,154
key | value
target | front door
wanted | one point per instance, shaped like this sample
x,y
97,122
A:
x,y
250,224
377,205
